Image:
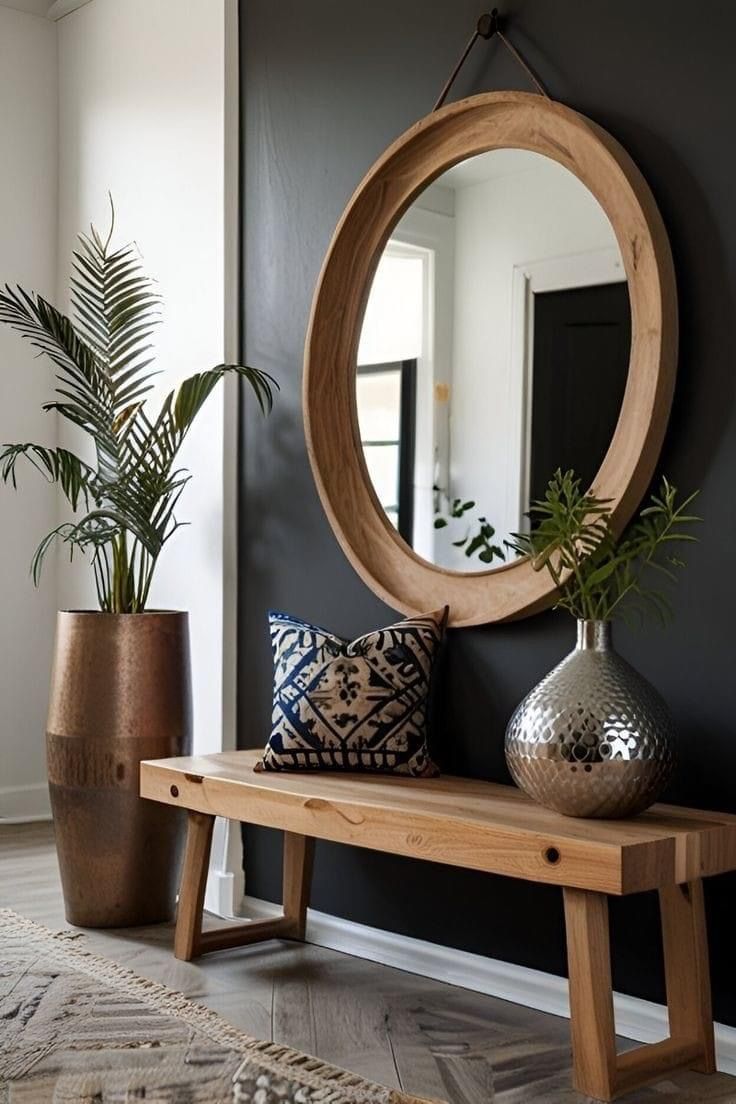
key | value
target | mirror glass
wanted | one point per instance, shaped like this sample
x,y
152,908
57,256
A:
x,y
494,350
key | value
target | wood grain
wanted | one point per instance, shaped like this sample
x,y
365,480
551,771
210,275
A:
x,y
298,862
687,969
598,1070
190,941
591,993
461,822
491,121
646,1064
193,884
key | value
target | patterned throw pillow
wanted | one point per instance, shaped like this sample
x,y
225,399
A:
x,y
354,706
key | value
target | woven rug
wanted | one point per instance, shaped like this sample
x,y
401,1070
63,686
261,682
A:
x,y
76,1028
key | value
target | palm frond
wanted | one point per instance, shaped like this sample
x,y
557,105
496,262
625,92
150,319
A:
x,y
116,309
77,480
52,333
83,384
76,537
159,442
102,358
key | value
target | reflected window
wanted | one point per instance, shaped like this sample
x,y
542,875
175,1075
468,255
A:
x,y
394,318
386,406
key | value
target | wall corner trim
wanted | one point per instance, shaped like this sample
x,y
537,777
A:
x,y
637,1019
64,7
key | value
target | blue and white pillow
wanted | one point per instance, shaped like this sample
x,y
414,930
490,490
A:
x,y
358,705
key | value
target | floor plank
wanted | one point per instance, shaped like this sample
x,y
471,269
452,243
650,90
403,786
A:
x,y
409,1032
310,1012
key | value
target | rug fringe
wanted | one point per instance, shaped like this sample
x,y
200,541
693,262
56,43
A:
x,y
312,1071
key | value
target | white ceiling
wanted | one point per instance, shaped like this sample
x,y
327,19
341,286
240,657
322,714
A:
x,y
54,9
488,166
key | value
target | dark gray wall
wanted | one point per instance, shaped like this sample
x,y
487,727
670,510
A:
x,y
327,85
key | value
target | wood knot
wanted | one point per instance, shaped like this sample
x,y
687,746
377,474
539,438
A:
x,y
316,803
319,804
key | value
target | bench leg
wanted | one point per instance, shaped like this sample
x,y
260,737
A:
x,y
190,941
597,1070
298,863
591,993
687,969
193,884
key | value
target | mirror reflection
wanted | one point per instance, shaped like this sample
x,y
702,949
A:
x,y
494,350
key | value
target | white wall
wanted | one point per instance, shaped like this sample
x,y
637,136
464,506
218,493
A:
x,y
28,140
525,216
429,223
142,115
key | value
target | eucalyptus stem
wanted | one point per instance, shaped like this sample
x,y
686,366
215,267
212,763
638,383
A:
x,y
578,574
596,575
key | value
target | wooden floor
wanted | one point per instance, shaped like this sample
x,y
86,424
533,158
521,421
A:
x,y
400,1029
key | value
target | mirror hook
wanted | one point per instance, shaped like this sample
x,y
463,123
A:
x,y
488,26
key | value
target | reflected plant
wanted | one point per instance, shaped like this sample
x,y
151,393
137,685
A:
x,y
597,575
478,540
128,497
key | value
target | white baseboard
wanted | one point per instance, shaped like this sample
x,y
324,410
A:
x,y
640,1020
219,895
21,804
225,881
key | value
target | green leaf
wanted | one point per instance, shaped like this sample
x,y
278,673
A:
x,y
596,574
104,371
76,479
602,573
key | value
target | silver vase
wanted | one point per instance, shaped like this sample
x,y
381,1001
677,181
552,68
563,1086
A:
x,y
594,738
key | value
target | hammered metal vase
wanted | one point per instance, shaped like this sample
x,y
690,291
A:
x,y
120,693
594,738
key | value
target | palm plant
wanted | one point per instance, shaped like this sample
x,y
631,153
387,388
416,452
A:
x,y
127,499
597,575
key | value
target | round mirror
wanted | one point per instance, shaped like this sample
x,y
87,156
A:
x,y
498,301
494,349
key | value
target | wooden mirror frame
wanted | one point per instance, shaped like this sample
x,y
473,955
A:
x,y
496,120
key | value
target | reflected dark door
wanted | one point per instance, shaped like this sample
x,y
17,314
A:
x,y
582,340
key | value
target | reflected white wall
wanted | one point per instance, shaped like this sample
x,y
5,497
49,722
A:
x,y
535,214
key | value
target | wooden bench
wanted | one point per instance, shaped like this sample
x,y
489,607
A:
x,y
488,827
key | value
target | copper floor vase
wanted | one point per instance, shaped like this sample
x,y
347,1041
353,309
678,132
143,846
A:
x,y
120,693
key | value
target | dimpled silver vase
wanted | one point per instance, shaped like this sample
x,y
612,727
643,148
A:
x,y
594,738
